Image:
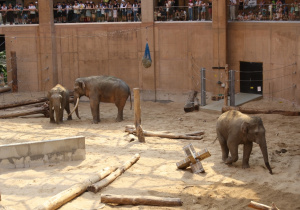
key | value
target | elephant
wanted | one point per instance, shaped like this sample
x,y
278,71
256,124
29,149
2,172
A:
x,y
58,101
102,88
234,128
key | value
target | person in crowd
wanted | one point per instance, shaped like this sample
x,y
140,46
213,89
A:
x,y
94,11
69,12
240,16
98,12
241,6
76,11
19,14
32,10
203,11
177,15
135,7
190,9
3,12
59,12
183,15
115,11
64,12
232,9
292,12
129,11
210,9
88,12
82,11
198,5
167,9
106,9
123,10
10,14
296,5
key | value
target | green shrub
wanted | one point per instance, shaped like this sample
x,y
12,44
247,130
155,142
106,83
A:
x,y
3,69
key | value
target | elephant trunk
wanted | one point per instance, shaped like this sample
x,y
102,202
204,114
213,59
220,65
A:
x,y
264,150
76,102
57,113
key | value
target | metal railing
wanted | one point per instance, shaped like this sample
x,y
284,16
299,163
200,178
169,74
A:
x,y
264,12
183,13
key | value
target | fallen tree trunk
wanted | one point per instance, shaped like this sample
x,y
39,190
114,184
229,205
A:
x,y
140,200
257,111
4,89
260,206
22,103
103,183
35,110
74,191
130,129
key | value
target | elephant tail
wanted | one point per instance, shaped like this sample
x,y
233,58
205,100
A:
x,y
215,140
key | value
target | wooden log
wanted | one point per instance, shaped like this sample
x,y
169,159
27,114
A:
x,y
5,89
35,110
137,115
257,111
140,200
74,191
130,129
260,206
103,183
23,103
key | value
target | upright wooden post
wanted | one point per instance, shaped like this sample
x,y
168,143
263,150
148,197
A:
x,y
203,87
226,86
137,115
232,87
14,71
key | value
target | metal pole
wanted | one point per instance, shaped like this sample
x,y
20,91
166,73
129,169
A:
x,y
232,87
203,91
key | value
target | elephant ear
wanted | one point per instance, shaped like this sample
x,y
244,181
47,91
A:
x,y
82,85
244,127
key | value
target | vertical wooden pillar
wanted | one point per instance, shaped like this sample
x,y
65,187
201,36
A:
x,y
48,73
14,71
137,115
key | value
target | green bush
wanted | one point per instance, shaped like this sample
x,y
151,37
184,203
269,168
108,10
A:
x,y
3,69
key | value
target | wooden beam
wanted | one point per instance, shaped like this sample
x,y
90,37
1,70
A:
x,y
74,191
24,102
103,183
44,109
140,200
137,115
14,71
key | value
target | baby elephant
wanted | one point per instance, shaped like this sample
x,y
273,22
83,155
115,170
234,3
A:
x,y
58,101
234,128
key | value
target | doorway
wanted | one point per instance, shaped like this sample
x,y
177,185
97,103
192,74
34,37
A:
x,y
251,77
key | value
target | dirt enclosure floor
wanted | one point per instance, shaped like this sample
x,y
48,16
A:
x,y
155,174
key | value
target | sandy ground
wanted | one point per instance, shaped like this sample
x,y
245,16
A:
x,y
155,174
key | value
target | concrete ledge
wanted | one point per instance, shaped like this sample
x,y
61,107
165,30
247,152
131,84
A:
x,y
29,154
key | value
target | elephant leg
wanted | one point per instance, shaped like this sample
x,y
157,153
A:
x,y
61,114
225,150
51,114
246,154
233,148
95,111
120,114
67,108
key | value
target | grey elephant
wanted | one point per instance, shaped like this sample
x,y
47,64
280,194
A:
x,y
107,89
58,101
234,128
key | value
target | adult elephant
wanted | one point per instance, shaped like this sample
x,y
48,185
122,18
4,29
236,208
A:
x,y
101,89
58,101
234,128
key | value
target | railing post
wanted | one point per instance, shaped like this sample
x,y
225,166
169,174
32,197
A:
x,y
232,87
203,91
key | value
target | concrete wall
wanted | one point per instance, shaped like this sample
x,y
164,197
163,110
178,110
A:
x,y
44,152
178,50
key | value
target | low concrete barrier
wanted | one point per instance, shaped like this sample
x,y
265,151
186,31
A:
x,y
30,154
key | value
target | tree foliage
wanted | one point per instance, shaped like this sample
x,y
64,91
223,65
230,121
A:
x,y
3,69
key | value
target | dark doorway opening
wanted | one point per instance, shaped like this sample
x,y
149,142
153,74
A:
x,y
2,42
251,77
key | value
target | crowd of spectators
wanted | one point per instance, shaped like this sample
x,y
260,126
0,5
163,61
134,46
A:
x,y
10,15
103,11
199,10
264,10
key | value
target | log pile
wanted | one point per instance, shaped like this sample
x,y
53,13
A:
x,y
189,136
